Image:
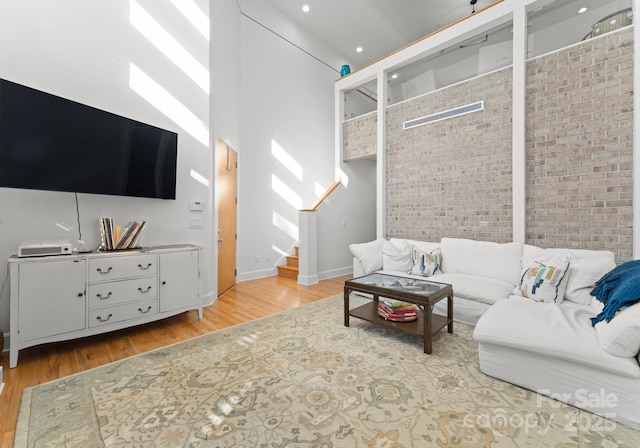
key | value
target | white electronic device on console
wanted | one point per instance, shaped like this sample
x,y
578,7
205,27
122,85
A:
x,y
41,248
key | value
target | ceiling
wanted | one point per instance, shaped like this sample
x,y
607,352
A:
x,y
378,26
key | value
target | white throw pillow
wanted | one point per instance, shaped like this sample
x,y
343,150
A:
x,y
544,283
369,254
583,275
396,258
621,336
425,263
482,258
426,246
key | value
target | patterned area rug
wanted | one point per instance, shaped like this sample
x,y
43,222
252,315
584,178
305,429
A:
x,y
302,379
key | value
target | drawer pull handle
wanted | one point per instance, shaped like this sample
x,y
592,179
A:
x,y
145,312
104,272
101,297
144,268
143,291
104,320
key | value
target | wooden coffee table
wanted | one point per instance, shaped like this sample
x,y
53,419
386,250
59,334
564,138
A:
x,y
423,293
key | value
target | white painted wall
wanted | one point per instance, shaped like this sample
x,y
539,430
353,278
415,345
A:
x,y
287,108
287,103
347,216
82,51
263,89
225,102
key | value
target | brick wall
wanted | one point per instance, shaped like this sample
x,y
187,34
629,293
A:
x,y
452,177
579,146
359,137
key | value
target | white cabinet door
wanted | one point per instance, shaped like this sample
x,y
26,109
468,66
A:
x,y
179,278
52,298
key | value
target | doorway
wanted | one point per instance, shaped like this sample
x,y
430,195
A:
x,y
227,163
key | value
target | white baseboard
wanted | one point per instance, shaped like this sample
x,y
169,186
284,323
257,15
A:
x,y
307,280
335,273
253,275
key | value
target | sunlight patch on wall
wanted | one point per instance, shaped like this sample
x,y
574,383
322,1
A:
x,y
285,192
285,225
200,178
286,160
319,189
162,100
278,250
65,227
342,177
168,45
195,15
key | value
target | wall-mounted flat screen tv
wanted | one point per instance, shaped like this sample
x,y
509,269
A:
x,y
52,143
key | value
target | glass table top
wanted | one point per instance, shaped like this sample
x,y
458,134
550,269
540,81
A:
x,y
395,283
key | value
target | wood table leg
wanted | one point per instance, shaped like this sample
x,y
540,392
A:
x,y
346,307
427,329
450,313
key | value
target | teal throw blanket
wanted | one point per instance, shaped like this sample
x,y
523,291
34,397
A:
x,y
618,288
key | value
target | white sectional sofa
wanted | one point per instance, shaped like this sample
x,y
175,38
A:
x,y
547,346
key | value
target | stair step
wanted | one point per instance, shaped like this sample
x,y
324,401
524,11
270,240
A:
x,y
293,261
288,272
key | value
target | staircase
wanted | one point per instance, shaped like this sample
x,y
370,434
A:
x,y
290,270
305,271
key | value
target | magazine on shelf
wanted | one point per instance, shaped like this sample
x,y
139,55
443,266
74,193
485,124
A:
x,y
117,237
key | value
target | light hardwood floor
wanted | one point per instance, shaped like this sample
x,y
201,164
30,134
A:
x,y
244,302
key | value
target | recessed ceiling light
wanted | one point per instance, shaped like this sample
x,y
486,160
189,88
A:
x,y
359,49
394,76
613,22
583,9
306,8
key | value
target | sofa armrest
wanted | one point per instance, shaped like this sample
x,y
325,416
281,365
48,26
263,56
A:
x,y
358,270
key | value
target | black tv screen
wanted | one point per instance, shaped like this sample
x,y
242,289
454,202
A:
x,y
52,143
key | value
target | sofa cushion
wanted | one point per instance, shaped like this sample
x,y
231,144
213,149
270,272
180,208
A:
x,y
426,263
544,283
555,331
426,246
621,336
483,259
586,267
396,258
481,289
369,254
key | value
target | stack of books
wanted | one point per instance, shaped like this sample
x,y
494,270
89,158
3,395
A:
x,y
114,238
397,311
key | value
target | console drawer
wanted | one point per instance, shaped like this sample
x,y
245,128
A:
x,y
113,293
111,268
127,311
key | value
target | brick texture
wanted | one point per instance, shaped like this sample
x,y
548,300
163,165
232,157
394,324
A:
x,y
360,137
454,177
579,146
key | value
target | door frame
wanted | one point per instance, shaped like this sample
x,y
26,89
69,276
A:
x,y
223,151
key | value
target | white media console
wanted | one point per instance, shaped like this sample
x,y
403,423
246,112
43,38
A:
x,y
56,298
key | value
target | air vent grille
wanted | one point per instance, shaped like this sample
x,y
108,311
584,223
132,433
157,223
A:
x,y
456,112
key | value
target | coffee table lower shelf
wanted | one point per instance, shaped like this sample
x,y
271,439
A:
x,y
369,312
